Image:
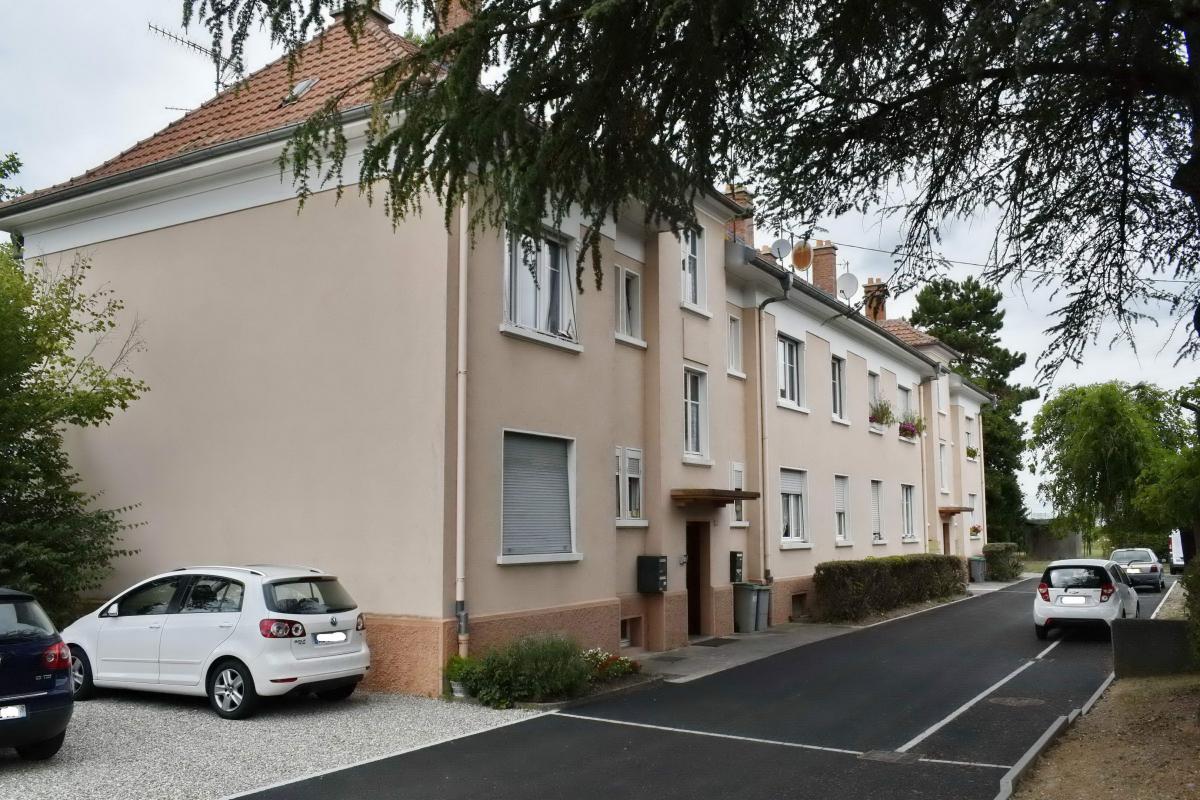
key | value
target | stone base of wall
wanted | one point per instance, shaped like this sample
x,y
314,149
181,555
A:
x,y
722,608
590,624
408,653
781,597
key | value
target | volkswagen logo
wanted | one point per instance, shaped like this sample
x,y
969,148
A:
x,y
333,621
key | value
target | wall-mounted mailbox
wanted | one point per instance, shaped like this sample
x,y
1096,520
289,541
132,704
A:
x,y
651,574
735,566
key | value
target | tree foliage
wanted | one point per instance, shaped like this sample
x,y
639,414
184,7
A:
x,y
1078,124
54,541
967,317
10,165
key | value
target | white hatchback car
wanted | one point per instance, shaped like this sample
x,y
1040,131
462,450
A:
x,y
234,634
1082,591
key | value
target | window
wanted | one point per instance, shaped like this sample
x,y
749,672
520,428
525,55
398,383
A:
x,y
693,267
735,344
538,516
937,391
873,387
212,595
21,617
151,598
877,511
540,293
971,502
793,491
906,512
942,466
969,434
308,596
629,483
905,400
695,412
841,508
737,482
791,371
838,371
629,303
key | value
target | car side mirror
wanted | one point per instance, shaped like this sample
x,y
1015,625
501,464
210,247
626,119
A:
x,y
111,611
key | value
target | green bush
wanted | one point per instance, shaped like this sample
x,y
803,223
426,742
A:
x,y
533,669
1191,582
1003,561
461,669
850,590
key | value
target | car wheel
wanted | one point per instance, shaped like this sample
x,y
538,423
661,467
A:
x,y
40,751
82,687
1041,631
340,693
231,690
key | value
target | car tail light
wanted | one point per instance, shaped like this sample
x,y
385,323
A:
x,y
361,624
57,656
1154,567
1106,592
1044,591
281,629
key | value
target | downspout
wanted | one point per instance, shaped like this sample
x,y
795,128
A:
x,y
926,381
786,282
460,482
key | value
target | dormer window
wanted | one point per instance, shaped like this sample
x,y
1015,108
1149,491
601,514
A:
x,y
299,90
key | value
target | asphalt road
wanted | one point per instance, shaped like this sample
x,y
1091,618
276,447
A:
x,y
936,706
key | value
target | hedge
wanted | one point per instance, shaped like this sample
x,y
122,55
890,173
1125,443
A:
x,y
850,590
1191,583
1003,561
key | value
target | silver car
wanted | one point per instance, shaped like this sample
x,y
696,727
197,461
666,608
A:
x,y
1142,567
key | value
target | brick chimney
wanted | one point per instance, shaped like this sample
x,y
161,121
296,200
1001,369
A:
x,y
824,266
743,228
376,16
875,300
457,12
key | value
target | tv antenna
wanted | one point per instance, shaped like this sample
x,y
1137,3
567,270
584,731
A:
x,y
221,63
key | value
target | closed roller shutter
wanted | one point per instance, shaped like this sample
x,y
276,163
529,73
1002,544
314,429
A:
x,y
537,495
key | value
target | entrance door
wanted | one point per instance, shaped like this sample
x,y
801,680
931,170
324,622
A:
x,y
946,538
697,571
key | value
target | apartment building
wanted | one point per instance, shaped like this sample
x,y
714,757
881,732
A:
x,y
478,449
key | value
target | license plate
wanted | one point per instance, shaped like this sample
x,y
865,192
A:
x,y
1073,601
331,638
1133,569
12,712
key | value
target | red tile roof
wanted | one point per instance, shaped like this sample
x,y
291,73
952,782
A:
x,y
256,104
906,333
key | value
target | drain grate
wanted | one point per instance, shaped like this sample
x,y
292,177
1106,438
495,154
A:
x,y
890,756
718,642
1017,702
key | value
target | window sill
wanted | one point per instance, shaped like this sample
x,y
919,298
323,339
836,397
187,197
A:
x,y
632,341
840,420
843,544
633,523
791,406
907,440
697,310
736,373
972,460
941,413
875,430
786,545
976,536
736,524
697,461
878,542
540,558
943,491
517,332
909,540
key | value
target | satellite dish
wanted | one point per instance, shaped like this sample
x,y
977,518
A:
x,y
780,248
847,285
802,256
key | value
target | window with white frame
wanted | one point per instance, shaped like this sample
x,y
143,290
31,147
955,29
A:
x,y
793,491
942,484
540,294
629,483
937,390
873,387
737,482
735,343
837,368
841,508
905,401
538,486
629,303
695,412
791,371
906,511
973,521
692,262
877,511
969,434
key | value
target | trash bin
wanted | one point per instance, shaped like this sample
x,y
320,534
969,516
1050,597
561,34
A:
x,y
978,565
745,607
763,617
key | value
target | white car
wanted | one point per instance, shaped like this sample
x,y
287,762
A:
x,y
234,634
1082,591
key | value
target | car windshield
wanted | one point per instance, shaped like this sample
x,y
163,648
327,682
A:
x,y
308,596
1076,577
23,619
1131,555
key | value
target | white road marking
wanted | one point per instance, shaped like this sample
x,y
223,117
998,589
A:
x,y
965,763
958,712
1039,656
1163,601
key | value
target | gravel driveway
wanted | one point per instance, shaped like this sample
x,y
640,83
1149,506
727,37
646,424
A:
x,y
127,745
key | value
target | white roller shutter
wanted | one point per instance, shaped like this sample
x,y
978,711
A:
x,y
876,521
537,495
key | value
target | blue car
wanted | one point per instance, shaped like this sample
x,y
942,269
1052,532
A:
x,y
35,678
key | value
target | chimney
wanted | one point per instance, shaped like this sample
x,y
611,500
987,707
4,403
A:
x,y
875,300
824,266
457,13
742,228
373,15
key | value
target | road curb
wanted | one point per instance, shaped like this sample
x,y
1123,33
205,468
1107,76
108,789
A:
x,y
1008,783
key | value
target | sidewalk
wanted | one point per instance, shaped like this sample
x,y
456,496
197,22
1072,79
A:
x,y
983,587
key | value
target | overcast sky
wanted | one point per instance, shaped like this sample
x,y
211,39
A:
x,y
85,79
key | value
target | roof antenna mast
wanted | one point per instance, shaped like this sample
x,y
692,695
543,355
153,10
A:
x,y
221,63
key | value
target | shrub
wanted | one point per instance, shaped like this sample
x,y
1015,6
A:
x,y
1003,561
532,669
605,666
1191,582
461,669
850,590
